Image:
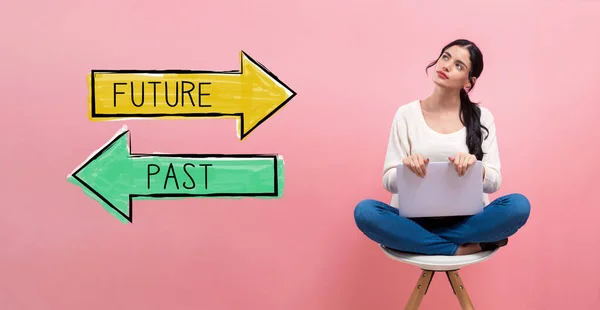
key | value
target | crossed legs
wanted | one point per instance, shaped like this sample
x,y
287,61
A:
x,y
501,219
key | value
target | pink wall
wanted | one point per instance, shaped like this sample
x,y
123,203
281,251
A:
x,y
61,250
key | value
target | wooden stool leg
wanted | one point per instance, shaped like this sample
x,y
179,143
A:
x,y
420,290
459,290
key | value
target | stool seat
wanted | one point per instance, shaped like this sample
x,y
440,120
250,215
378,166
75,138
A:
x,y
430,264
438,262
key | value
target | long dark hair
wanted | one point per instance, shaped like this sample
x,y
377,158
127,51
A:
x,y
469,111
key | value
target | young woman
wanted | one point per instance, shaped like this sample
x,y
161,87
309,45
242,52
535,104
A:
x,y
446,126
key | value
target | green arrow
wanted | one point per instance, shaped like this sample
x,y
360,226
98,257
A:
x,y
114,177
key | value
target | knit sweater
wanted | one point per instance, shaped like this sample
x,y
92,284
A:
x,y
410,135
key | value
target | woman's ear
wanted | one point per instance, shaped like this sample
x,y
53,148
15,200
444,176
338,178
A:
x,y
468,85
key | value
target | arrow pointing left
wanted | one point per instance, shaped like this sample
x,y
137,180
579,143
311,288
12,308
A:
x,y
114,177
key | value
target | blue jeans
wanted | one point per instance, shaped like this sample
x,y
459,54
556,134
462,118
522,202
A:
x,y
441,236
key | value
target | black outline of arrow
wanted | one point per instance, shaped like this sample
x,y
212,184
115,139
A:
x,y
190,115
131,155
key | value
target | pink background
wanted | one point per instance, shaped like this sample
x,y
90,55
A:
x,y
349,61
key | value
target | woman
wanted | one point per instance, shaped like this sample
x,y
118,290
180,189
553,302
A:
x,y
446,126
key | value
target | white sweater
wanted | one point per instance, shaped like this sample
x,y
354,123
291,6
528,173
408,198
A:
x,y
410,134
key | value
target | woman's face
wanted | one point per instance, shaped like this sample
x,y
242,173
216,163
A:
x,y
452,68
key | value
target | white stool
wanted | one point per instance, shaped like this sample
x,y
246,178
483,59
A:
x,y
430,264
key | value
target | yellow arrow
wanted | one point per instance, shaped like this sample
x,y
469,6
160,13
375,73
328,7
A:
x,y
251,95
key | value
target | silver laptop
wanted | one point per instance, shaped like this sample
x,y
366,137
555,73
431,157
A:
x,y
441,192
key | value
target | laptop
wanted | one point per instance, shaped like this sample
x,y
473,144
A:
x,y
441,192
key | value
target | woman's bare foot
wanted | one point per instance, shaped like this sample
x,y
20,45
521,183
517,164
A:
x,y
469,248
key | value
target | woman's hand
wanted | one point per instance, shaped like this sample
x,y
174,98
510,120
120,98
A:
x,y
462,162
417,164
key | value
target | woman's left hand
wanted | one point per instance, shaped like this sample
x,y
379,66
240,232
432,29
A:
x,y
462,162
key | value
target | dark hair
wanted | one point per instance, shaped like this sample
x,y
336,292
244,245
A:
x,y
469,111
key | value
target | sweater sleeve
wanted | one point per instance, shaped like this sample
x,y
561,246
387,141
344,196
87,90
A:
x,y
491,158
397,150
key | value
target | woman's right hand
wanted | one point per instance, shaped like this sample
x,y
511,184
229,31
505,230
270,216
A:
x,y
416,163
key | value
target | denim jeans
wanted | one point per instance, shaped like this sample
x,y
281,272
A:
x,y
500,219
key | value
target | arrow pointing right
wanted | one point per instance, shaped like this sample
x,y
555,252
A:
x,y
252,95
